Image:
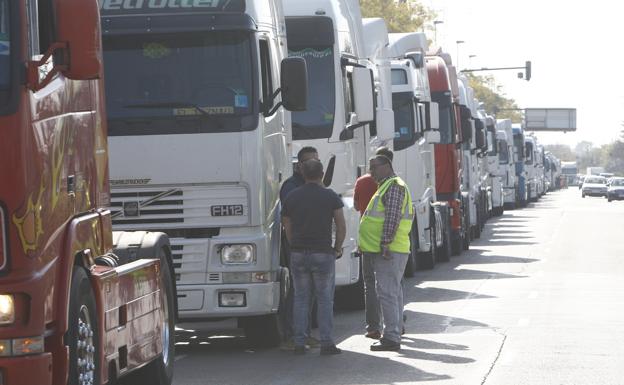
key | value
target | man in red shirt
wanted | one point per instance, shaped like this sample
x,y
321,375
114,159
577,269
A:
x,y
365,188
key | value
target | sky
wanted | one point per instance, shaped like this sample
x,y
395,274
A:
x,y
563,40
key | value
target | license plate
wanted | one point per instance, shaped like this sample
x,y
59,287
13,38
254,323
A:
x,y
226,210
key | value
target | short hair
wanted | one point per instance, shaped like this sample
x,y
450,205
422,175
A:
x,y
382,159
305,150
385,151
312,169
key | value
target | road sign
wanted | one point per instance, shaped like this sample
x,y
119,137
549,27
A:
x,y
550,119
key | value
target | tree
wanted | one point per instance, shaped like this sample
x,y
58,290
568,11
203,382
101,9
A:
x,y
491,95
562,151
401,16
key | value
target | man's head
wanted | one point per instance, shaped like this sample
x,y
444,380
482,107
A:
x,y
385,151
312,170
305,154
380,167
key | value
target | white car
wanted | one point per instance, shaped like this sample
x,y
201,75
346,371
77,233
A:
x,y
594,186
616,189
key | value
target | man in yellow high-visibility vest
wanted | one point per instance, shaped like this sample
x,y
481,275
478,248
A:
x,y
384,236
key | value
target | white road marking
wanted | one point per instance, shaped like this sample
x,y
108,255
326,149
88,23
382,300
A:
x,y
180,357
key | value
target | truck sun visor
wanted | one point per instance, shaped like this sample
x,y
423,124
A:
x,y
310,31
151,7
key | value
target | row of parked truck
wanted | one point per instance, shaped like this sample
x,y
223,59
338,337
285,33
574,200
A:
x,y
204,105
195,88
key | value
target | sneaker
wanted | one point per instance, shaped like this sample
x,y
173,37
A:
x,y
373,334
330,350
299,350
288,345
385,346
313,342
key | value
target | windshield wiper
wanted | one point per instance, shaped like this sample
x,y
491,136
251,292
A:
x,y
169,105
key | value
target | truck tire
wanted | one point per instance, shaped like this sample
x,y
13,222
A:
x,y
426,259
412,259
81,336
443,253
350,297
264,331
160,370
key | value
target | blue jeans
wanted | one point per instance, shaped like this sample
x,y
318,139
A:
x,y
313,271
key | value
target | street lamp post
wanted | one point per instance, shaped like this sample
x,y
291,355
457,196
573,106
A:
x,y
435,30
458,42
470,57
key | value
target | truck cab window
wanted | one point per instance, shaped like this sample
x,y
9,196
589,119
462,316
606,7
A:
x,y
404,120
266,73
40,26
5,48
318,120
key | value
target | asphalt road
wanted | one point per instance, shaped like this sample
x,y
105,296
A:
x,y
539,299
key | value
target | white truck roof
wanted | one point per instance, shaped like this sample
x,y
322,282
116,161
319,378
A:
x,y
402,43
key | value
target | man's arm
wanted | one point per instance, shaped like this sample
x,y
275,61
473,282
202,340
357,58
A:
x,y
393,203
287,228
341,228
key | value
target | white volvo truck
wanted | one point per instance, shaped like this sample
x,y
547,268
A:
x,y
198,94
341,121
531,165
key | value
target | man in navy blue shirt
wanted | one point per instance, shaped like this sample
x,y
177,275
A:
x,y
290,184
308,214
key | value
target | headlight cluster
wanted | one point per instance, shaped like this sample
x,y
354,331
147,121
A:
x,y
238,254
7,309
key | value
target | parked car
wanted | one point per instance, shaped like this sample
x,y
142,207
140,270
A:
x,y
594,186
616,189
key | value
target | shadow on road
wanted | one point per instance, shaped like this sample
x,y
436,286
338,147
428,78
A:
x,y
434,294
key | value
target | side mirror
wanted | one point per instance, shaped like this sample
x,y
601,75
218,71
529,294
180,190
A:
x,y
434,116
294,84
417,57
84,45
433,137
363,95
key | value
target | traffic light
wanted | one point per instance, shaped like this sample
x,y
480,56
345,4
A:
x,y
527,70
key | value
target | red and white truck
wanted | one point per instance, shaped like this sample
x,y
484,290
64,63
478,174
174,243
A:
x,y
79,305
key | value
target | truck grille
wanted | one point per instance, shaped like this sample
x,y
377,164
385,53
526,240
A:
x,y
185,215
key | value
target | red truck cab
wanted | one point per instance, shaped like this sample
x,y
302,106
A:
x,y
447,159
71,311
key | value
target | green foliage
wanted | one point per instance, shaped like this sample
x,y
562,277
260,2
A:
x,y
562,151
610,156
491,95
400,16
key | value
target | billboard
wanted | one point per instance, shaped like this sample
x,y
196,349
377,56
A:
x,y
550,119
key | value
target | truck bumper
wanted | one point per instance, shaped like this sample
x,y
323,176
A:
x,y
509,194
28,370
207,301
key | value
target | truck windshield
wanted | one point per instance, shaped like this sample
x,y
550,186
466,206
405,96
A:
x,y
5,50
447,121
318,120
404,122
170,80
503,152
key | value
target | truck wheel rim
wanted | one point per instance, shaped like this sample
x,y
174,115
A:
x,y
85,348
165,332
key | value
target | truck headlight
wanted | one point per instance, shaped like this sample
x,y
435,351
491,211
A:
x,y
7,309
237,254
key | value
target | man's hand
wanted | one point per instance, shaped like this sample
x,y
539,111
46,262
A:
x,y
385,252
338,252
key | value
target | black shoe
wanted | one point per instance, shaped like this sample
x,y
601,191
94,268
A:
x,y
385,346
330,350
300,350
